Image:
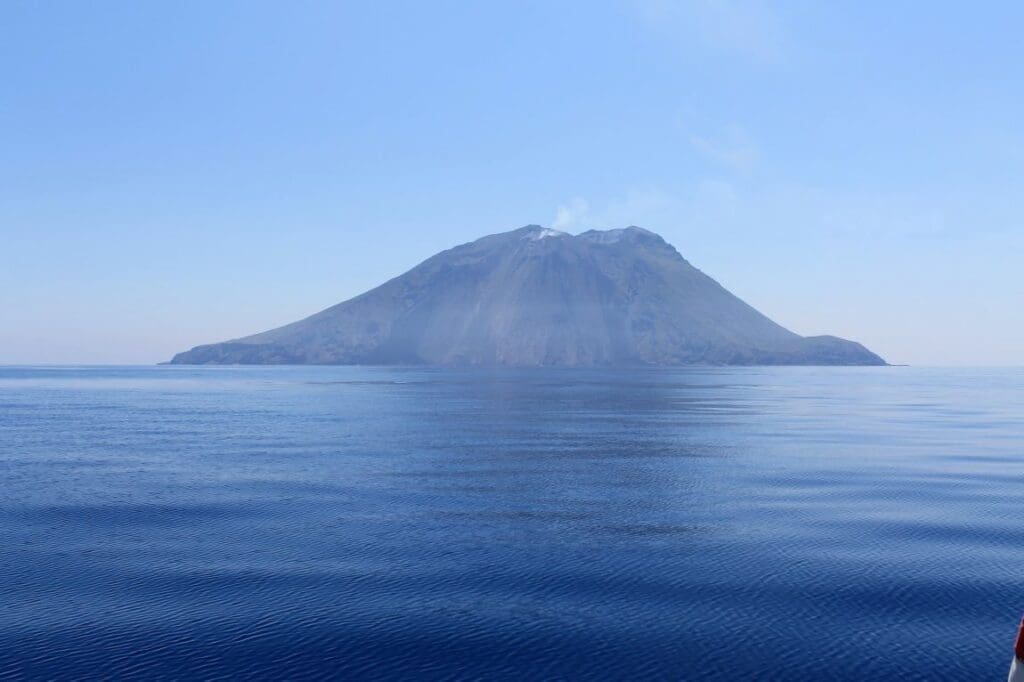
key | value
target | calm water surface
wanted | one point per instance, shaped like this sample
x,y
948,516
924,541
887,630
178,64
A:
x,y
292,523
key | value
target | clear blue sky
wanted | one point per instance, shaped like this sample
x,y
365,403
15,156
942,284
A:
x,y
186,172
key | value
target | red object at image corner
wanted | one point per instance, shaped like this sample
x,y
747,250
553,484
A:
x,y
1018,646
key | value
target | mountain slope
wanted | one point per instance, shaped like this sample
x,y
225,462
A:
x,y
540,297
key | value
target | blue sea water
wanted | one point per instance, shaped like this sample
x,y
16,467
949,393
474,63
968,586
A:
x,y
345,522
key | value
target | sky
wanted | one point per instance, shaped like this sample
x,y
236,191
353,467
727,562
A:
x,y
173,174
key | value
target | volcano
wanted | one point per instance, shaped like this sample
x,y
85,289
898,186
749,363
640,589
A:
x,y
539,297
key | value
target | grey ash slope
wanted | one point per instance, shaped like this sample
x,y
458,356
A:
x,y
540,297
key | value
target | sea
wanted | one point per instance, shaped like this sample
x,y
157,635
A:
x,y
351,523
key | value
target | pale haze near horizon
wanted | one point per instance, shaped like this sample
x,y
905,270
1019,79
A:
x,y
195,172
